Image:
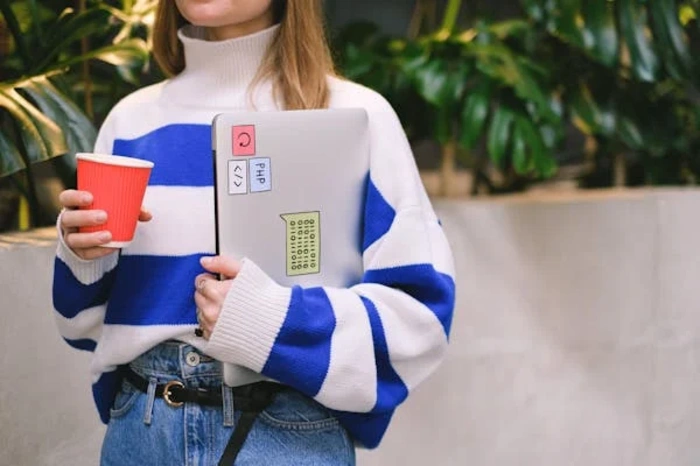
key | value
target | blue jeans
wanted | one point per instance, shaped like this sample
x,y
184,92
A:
x,y
144,430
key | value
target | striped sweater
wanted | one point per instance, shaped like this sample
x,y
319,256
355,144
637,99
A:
x,y
359,351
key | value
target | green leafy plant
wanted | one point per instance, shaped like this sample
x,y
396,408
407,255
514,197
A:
x,y
467,87
629,81
39,120
615,79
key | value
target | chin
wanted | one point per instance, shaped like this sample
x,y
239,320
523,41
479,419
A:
x,y
218,13
206,14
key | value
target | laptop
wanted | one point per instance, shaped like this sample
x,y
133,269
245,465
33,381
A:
x,y
289,194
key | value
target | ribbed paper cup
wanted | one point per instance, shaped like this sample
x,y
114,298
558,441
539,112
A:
x,y
118,185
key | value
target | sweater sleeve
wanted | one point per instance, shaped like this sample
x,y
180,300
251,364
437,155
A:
x,y
364,348
81,287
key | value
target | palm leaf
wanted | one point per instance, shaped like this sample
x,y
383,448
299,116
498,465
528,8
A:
x,y
10,158
16,31
518,73
499,134
71,28
600,36
125,53
634,27
41,136
77,128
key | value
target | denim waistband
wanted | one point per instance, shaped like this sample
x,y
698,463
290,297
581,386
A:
x,y
173,360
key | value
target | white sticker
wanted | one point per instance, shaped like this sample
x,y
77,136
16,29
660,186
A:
x,y
237,176
260,175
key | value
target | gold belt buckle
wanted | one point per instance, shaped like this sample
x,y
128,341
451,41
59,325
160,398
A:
x,y
167,393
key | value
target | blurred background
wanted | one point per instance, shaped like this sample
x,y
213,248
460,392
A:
x,y
496,96
560,140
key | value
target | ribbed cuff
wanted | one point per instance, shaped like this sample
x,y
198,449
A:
x,y
250,320
85,271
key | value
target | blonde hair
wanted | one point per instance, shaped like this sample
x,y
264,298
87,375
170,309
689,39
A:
x,y
298,61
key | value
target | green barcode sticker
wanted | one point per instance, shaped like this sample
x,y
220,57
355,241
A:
x,y
303,243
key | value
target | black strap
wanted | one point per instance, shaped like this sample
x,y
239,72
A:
x,y
240,433
261,396
250,400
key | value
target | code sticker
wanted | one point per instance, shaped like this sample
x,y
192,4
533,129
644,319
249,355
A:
x,y
243,140
237,176
303,243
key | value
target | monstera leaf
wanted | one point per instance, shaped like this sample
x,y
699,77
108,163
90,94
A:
x,y
627,77
645,36
38,118
618,71
39,122
46,124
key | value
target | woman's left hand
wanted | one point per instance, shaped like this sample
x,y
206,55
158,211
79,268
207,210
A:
x,y
210,293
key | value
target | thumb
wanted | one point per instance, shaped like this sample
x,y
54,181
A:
x,y
145,215
222,265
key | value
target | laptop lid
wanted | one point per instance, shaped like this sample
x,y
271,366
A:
x,y
290,190
289,195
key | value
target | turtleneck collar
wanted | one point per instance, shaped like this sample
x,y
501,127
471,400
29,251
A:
x,y
218,69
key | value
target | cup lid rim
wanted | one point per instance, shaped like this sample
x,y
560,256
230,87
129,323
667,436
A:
x,y
114,160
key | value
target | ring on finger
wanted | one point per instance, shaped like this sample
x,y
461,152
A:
x,y
199,331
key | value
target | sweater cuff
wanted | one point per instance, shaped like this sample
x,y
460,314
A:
x,y
250,320
85,271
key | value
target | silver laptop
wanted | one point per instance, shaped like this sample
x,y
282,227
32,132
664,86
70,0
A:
x,y
289,191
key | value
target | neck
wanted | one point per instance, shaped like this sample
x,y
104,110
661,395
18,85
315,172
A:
x,y
218,73
233,31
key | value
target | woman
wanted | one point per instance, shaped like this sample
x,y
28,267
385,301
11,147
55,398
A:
x,y
340,360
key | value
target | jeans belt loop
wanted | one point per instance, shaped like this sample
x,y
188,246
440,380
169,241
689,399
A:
x,y
227,394
150,401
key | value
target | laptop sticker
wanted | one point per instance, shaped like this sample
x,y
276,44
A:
x,y
260,175
237,176
243,140
303,243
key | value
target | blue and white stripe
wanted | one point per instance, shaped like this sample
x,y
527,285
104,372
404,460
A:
x,y
359,351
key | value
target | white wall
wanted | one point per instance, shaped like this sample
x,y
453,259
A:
x,y
575,342
46,413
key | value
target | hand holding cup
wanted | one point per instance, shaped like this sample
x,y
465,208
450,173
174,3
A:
x,y
76,216
103,213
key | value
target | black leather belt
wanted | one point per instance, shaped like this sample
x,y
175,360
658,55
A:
x,y
250,400
174,392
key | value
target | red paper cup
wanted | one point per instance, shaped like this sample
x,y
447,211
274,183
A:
x,y
118,185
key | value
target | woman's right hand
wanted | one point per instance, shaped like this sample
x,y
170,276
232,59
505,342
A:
x,y
86,245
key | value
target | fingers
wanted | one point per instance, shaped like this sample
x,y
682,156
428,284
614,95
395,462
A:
x,y
85,245
209,287
201,331
200,281
227,266
201,303
145,215
85,218
73,199
94,253
82,218
78,214
209,297
87,240
207,315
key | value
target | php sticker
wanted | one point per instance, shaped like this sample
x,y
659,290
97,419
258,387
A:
x,y
260,174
